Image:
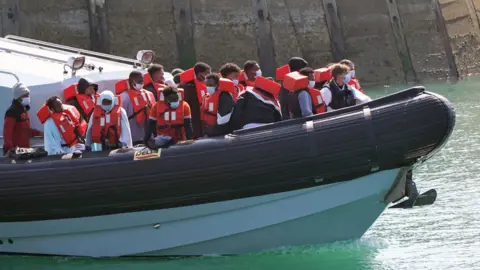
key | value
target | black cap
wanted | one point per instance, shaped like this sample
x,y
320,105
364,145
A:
x,y
84,83
297,63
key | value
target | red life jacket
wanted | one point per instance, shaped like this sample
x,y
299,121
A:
x,y
281,72
170,122
322,74
296,82
210,103
107,127
188,76
147,79
355,84
85,101
242,77
67,122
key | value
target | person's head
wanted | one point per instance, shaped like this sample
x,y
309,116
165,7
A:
x,y
297,63
54,104
21,94
329,65
252,70
171,96
201,71
230,71
135,80
156,72
176,78
339,71
176,71
87,87
351,67
306,71
212,82
106,100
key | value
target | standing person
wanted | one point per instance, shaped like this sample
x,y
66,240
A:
x,y
193,81
62,127
137,103
231,71
218,105
82,96
154,79
337,94
353,82
251,70
16,126
284,97
109,125
170,120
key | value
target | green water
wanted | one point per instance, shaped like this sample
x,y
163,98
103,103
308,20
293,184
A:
x,y
445,235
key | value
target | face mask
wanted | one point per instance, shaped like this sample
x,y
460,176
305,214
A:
x,y
235,82
210,89
25,101
311,84
174,105
352,73
347,78
259,72
138,86
107,108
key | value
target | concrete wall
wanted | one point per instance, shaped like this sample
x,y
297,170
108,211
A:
x,y
391,41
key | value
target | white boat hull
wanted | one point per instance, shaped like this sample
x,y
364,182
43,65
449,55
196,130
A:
x,y
328,213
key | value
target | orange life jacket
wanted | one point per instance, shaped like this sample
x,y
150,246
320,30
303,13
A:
x,y
188,76
67,122
296,82
355,84
170,122
242,77
322,74
281,72
85,101
142,100
210,103
106,127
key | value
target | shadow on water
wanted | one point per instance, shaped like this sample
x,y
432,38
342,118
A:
x,y
342,255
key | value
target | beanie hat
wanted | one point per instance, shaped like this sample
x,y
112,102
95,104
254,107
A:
x,y
19,90
297,63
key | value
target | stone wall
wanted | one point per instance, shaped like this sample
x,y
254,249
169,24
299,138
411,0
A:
x,y
391,41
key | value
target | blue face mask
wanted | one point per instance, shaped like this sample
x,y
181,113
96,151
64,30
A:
x,y
107,108
348,77
174,105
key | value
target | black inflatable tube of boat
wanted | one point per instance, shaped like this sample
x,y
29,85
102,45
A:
x,y
387,133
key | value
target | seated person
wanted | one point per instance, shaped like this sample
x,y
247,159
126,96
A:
x,y
353,82
337,94
170,120
257,106
231,71
218,105
108,127
285,97
306,100
251,69
63,127
156,81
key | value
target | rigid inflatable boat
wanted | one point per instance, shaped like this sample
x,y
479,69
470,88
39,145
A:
x,y
306,181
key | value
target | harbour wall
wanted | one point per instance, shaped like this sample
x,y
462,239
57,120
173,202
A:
x,y
391,41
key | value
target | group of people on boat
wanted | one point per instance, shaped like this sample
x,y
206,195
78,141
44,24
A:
x,y
147,109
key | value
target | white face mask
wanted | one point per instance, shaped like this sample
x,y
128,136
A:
x,y
259,72
235,82
210,89
137,86
174,105
352,73
311,84
26,101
